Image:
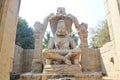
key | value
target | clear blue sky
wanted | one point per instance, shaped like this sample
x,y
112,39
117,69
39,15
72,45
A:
x,y
88,11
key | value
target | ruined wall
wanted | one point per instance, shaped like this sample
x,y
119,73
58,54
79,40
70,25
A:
x,y
94,62
91,60
22,59
112,8
113,18
27,59
17,61
107,58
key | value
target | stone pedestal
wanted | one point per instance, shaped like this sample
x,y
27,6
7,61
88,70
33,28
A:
x,y
77,76
62,69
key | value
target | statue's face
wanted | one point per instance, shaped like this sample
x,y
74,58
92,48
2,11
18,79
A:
x,y
61,30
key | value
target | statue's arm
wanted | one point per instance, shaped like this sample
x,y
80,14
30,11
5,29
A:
x,y
51,43
72,43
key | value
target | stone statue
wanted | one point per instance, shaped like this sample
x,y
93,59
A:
x,y
62,47
63,60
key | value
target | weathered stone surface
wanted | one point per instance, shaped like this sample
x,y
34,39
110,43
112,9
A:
x,y
61,40
27,58
22,60
94,57
8,21
110,57
76,76
62,49
17,61
39,34
8,18
57,69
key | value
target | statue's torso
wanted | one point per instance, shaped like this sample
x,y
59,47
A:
x,y
62,43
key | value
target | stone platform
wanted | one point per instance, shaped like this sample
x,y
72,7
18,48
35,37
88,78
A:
x,y
62,69
77,76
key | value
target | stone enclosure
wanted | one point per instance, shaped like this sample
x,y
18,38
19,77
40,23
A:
x,y
93,62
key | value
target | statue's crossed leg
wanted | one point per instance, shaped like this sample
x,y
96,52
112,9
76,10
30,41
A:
x,y
66,58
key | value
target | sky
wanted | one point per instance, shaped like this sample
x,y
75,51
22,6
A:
x,y
88,11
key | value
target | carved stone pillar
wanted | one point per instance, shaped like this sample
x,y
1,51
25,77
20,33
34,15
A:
x,y
83,35
37,59
39,34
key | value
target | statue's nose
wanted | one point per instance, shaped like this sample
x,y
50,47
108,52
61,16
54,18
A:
x,y
60,30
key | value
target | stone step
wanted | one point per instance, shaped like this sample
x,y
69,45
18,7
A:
x,y
77,76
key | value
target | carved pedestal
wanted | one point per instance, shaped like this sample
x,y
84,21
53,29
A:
x,y
62,72
62,69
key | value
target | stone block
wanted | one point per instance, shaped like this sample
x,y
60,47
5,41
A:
x,y
70,69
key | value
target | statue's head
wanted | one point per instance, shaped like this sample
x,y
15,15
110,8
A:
x,y
61,29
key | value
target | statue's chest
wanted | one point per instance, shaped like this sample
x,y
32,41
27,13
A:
x,y
61,43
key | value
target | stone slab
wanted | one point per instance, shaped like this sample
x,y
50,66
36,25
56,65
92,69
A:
x,y
78,76
71,69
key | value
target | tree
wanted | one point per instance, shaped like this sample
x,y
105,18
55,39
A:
x,y
100,35
46,40
75,37
24,35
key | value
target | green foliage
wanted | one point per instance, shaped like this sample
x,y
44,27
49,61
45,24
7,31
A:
x,y
73,35
24,35
100,35
46,40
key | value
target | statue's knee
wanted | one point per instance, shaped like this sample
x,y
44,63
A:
x,y
45,54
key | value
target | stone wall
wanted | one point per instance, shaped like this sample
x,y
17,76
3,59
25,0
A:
x,y
110,52
27,60
113,18
109,60
94,60
9,10
91,60
17,61
22,60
